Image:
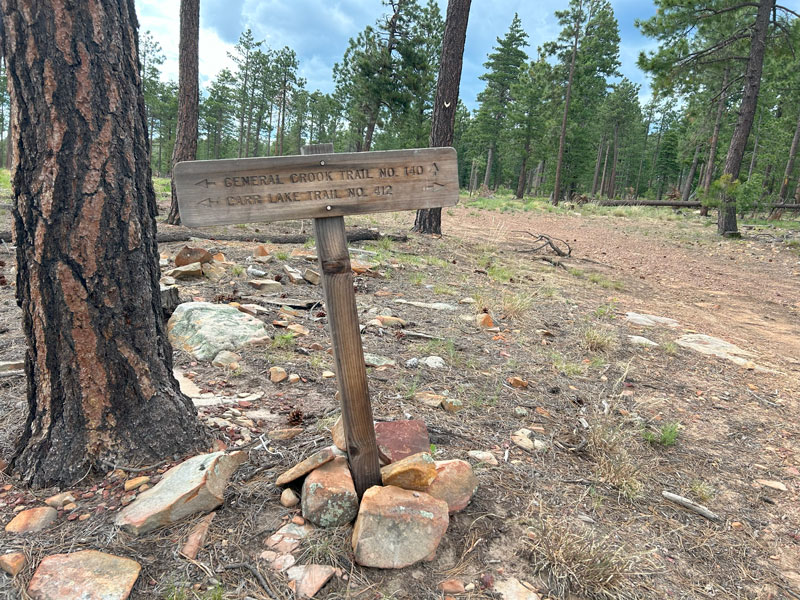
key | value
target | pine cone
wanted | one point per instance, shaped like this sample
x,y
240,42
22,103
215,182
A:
x,y
295,417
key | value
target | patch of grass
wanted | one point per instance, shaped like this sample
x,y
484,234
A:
x,y
597,362
178,593
606,311
547,291
237,270
596,340
605,282
575,272
417,278
282,255
443,290
577,563
499,273
283,340
409,259
670,348
435,261
701,490
310,243
443,348
407,389
564,366
665,436
517,305
327,546
606,444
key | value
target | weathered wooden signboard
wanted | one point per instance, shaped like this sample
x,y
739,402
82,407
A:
x,y
253,190
325,186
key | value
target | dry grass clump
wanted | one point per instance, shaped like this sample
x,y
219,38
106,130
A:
x,y
606,444
517,305
575,561
598,340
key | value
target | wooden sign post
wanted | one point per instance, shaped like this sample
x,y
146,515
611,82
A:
x,y
325,186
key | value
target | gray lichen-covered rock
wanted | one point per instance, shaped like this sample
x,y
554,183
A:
x,y
329,496
204,329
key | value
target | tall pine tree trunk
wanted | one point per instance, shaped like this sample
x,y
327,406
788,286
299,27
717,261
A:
x,y
489,164
98,363
712,150
523,170
726,218
790,163
612,184
562,140
446,99
597,165
605,165
754,155
188,96
687,189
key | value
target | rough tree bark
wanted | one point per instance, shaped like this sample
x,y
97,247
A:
x,y
726,218
790,163
712,149
98,363
446,101
687,189
188,95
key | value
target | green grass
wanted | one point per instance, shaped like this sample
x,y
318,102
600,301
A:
x,y
237,270
283,340
701,490
499,273
596,340
666,436
565,366
605,282
670,348
282,255
606,311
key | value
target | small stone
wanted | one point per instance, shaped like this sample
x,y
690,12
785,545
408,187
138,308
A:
x,y
520,411
483,456
288,537
455,483
277,374
294,378
467,300
12,563
298,520
186,272
638,340
399,439
69,507
214,271
255,272
269,286
285,434
134,483
412,363
309,464
262,251
514,589
329,496
433,362
84,517
517,382
337,433
775,485
396,528
644,320
328,374
389,321
429,399
305,254
309,579
415,472
283,562
219,257
311,276
32,520
293,274
289,498
226,358
188,256
521,438
298,329
540,445
59,500
84,575
253,309
374,360
197,537
451,586
452,405
484,320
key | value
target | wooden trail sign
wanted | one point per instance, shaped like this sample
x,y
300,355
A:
x,y
254,190
325,186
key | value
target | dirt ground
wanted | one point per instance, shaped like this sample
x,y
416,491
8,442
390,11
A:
x,y
584,518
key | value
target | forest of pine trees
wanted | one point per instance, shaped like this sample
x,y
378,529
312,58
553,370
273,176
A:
x,y
557,117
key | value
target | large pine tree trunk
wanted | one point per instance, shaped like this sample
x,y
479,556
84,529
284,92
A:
x,y
712,150
489,164
612,184
726,219
446,99
754,155
562,140
98,363
597,165
687,189
188,95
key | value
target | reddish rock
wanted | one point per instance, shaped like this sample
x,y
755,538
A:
x,y
284,434
309,579
329,497
59,500
12,563
136,482
85,575
455,483
32,520
289,498
303,468
396,528
451,586
288,537
415,472
484,320
197,537
399,439
188,255
337,433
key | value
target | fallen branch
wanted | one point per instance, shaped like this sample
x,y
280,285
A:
x,y
259,577
692,506
546,241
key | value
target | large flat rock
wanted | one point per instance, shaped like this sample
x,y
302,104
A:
x,y
398,439
204,329
84,575
196,485
32,520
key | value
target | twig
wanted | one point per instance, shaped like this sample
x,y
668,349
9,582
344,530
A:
x,y
692,506
133,469
259,577
419,334
547,241
12,374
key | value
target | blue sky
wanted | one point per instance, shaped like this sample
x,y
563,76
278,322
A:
x,y
319,30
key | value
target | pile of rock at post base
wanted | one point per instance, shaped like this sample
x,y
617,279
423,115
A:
x,y
398,523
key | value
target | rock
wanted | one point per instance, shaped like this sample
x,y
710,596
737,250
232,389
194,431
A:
x,y
169,299
644,320
285,434
278,562
433,362
136,482
521,438
396,528
188,256
253,309
262,250
520,411
517,382
269,286
311,276
188,387
452,405
214,271
337,433
197,537
399,439
328,374
483,456
59,500
775,485
412,363
277,374
429,399
13,563
309,464
540,445
32,520
451,586
374,360
455,483
329,496
186,272
289,498
389,321
638,340
415,472
12,365
305,254
309,579
705,344
427,305
294,378
204,329
467,300
298,329
226,358
254,272
288,537
514,589
195,485
293,274
484,320
84,575
219,257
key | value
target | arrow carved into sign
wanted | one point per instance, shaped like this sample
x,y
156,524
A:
x,y
206,182
436,169
434,187
209,202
